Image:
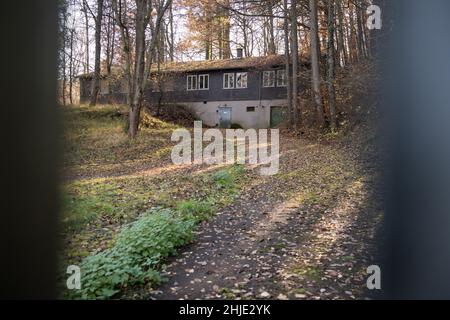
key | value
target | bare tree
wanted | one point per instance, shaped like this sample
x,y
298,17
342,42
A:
x,y
137,75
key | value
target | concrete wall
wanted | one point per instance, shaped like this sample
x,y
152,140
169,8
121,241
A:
x,y
260,118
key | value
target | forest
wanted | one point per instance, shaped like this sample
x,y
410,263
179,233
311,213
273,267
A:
x,y
239,158
134,37
137,225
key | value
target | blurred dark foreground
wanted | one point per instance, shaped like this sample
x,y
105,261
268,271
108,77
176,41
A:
x,y
414,54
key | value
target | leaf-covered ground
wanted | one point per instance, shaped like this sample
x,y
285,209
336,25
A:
x,y
308,232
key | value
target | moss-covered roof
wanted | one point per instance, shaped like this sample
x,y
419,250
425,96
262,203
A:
x,y
205,65
225,64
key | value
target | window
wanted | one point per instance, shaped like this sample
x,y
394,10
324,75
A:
x,y
191,82
269,79
251,109
228,80
281,78
203,82
241,80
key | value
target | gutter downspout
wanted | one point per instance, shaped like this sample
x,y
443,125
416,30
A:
x,y
259,97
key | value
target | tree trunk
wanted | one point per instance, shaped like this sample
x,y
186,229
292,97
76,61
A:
x,y
271,48
86,30
287,61
110,45
341,41
208,27
72,31
225,36
172,44
353,45
96,79
315,63
330,75
294,50
360,33
139,67
64,78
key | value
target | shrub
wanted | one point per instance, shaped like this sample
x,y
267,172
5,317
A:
x,y
139,249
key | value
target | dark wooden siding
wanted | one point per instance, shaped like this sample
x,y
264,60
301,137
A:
x,y
178,92
216,92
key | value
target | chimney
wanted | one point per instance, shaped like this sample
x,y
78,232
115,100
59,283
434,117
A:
x,y
239,53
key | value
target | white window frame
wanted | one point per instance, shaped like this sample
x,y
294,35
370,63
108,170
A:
x,y
267,73
279,83
191,76
228,83
202,77
246,80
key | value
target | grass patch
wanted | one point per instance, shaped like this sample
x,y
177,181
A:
x,y
226,178
201,210
227,293
312,273
112,199
228,182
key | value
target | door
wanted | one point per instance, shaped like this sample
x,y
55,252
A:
x,y
224,117
277,115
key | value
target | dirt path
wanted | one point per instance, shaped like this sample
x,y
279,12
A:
x,y
306,233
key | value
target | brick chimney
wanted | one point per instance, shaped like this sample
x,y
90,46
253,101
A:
x,y
239,53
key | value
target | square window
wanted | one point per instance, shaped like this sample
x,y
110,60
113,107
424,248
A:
x,y
203,82
241,80
191,82
228,80
269,79
281,78
251,109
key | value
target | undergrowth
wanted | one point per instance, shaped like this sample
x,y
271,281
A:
x,y
142,246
